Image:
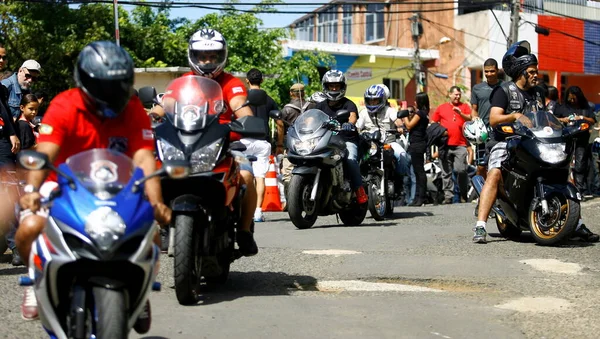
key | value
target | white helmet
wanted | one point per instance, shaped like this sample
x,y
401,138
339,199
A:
x,y
475,131
203,41
386,90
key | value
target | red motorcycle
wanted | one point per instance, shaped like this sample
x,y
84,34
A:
x,y
206,205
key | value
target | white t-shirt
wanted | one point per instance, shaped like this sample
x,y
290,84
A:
x,y
384,119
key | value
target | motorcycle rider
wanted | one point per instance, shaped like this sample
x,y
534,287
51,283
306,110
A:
x,y
207,56
377,115
334,89
99,113
508,103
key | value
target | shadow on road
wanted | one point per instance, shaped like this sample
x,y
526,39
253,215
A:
x,y
13,271
249,284
526,238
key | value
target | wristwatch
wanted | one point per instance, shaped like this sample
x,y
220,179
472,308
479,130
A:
x,y
30,189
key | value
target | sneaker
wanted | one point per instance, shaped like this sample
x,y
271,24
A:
x,y
246,243
142,324
361,196
259,218
16,258
479,236
584,234
447,201
29,309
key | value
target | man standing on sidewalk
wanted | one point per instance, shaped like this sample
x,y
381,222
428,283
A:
x,y
452,115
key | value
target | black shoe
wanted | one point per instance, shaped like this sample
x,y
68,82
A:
x,y
447,201
417,202
16,259
585,234
144,320
246,243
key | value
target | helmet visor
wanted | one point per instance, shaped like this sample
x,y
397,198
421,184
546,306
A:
x,y
108,95
373,101
208,60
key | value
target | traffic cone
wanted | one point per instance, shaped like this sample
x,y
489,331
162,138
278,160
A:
x,y
271,200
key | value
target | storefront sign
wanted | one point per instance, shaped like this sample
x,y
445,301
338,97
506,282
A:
x,y
359,74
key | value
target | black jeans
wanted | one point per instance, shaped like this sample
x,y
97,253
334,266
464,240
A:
x,y
418,163
581,166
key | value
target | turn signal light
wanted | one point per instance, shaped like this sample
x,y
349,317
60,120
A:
x,y
387,147
584,126
508,129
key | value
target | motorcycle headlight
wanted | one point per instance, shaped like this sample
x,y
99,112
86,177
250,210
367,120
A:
x,y
552,153
204,159
373,149
306,146
104,226
167,152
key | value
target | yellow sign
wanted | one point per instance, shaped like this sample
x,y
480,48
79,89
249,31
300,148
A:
x,y
360,103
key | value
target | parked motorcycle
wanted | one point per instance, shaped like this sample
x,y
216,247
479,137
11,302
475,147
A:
x,y
206,205
535,194
95,261
318,185
378,167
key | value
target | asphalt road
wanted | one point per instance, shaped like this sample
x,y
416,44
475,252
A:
x,y
417,275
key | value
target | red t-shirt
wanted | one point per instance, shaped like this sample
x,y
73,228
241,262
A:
x,y
453,122
231,87
70,125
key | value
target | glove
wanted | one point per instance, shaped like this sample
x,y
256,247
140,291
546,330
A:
x,y
403,114
348,127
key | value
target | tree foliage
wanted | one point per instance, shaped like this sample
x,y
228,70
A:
x,y
53,33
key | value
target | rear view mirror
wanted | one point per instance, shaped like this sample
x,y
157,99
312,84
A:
x,y
32,160
249,127
257,97
342,115
147,96
275,114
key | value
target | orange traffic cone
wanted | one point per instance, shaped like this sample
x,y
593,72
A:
x,y
271,200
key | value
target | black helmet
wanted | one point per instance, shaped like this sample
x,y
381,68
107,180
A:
x,y
518,58
104,71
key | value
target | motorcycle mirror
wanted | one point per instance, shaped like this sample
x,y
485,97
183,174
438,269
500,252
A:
x,y
342,115
376,135
237,146
177,169
403,114
33,160
275,114
37,120
147,95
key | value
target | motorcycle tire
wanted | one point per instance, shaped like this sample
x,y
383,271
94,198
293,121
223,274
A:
x,y
301,210
355,215
111,312
187,262
564,213
507,229
377,202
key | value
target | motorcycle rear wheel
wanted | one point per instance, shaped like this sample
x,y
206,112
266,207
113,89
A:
x,y
377,202
187,262
111,310
355,215
301,210
564,215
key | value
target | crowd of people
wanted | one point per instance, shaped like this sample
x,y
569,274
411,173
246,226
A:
x,y
88,117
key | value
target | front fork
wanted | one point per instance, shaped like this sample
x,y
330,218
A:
x,y
313,192
382,183
543,201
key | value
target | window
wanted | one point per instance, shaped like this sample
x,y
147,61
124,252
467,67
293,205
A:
x,y
327,25
396,87
374,22
347,24
305,29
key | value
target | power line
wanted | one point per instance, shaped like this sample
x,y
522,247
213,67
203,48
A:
x,y
531,7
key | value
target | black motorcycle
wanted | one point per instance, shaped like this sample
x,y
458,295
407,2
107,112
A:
x,y
318,185
207,204
535,193
378,168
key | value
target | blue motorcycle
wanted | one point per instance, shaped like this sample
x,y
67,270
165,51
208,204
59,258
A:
x,y
95,262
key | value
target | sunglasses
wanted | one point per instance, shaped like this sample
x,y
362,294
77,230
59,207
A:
x,y
4,57
29,76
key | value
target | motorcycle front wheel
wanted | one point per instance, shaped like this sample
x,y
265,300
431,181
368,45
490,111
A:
x,y
111,313
559,224
187,261
301,210
378,202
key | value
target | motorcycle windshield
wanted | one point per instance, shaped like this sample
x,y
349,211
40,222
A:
x,y
190,100
103,172
309,122
545,124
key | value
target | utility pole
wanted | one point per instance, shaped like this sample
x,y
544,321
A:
x,y
116,13
417,30
515,10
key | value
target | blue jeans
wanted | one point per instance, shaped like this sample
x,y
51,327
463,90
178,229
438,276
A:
x,y
352,166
